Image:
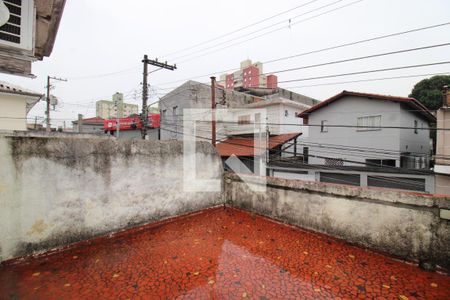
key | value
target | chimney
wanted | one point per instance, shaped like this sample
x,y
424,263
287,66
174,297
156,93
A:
x,y
446,94
80,123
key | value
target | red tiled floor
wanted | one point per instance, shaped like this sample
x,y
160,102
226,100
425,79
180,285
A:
x,y
219,254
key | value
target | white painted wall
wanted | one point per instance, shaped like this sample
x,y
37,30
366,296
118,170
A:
x,y
345,112
411,141
12,112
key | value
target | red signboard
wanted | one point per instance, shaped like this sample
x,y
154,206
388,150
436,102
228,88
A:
x,y
131,123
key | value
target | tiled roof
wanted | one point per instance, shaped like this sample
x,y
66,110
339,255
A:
x,y
244,146
15,89
413,103
94,120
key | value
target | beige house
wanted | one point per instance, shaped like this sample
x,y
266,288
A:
x,y
15,103
442,166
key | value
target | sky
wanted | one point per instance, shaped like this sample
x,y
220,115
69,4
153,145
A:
x,y
101,43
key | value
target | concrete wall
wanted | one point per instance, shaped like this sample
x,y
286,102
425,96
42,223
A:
x,y
55,191
13,112
443,151
406,225
443,137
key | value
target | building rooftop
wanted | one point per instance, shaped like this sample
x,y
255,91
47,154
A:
x,y
219,253
32,97
15,89
411,102
94,120
244,146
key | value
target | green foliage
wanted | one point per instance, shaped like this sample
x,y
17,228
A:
x,y
429,91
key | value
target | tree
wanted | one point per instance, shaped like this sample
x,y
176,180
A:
x,y
429,91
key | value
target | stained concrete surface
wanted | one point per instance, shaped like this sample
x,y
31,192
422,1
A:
x,y
56,191
403,224
219,254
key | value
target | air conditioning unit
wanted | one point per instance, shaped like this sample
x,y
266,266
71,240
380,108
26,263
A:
x,y
18,31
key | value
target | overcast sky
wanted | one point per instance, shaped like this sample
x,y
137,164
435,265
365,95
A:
x,y
99,37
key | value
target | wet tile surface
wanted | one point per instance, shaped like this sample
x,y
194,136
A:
x,y
220,254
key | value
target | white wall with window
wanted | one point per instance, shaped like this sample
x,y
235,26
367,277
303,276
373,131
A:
x,y
362,120
365,136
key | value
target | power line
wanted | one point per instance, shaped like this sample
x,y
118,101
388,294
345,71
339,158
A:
x,y
290,152
104,74
351,59
359,42
259,30
323,50
275,30
340,147
366,72
360,58
241,28
329,126
368,80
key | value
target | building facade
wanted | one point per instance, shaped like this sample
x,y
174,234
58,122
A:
x,y
116,108
15,103
442,166
198,95
192,95
250,75
89,125
357,129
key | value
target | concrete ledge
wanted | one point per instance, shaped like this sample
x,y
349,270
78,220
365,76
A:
x,y
404,224
347,191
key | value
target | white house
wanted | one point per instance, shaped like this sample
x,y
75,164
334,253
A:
x,y
354,128
15,103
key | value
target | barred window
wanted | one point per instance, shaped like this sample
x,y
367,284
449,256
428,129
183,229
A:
x,y
369,123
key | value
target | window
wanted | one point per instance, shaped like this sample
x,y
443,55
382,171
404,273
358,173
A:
x,y
369,123
286,113
243,119
380,162
175,110
323,126
416,127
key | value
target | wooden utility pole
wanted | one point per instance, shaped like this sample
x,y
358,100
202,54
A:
x,y
47,112
213,111
144,116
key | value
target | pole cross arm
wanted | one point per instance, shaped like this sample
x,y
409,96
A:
x,y
160,64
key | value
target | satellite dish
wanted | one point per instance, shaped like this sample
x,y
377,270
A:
x,y
4,13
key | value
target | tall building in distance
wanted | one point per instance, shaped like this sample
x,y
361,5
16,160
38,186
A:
x,y
250,75
116,108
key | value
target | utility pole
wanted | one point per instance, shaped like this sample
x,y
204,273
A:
x,y
47,112
144,116
213,111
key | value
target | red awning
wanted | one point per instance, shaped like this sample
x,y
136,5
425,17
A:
x,y
244,146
